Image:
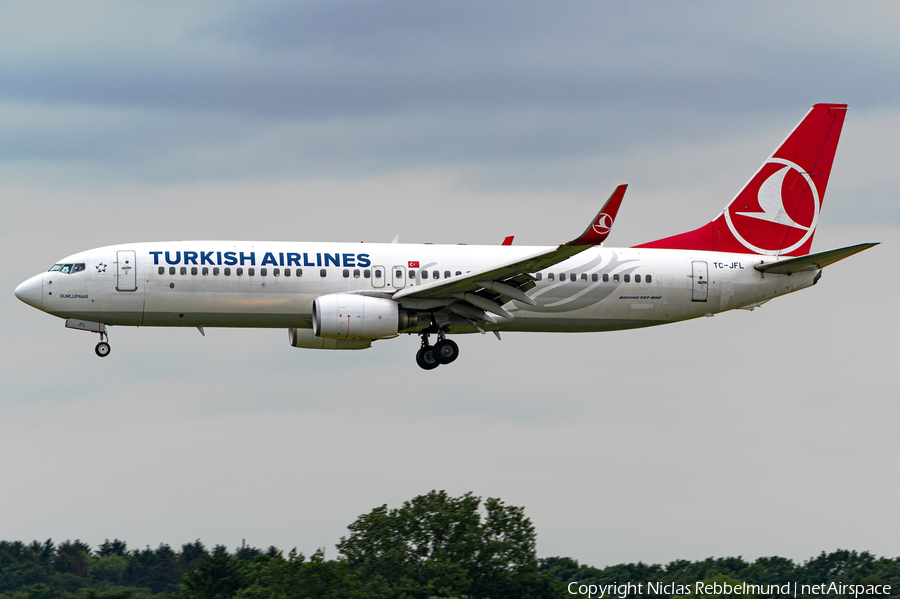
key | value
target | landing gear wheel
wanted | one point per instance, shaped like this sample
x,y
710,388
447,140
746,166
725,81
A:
x,y
102,349
445,351
425,358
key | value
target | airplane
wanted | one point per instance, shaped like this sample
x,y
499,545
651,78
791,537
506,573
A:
x,y
347,295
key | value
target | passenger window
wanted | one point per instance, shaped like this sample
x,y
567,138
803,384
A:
x,y
584,277
594,277
649,279
355,273
377,273
627,278
216,271
605,278
251,272
446,274
346,273
299,272
194,270
184,270
551,276
412,274
239,272
436,274
615,278
205,270
458,273
637,278
562,277
287,272
227,271
78,268
399,274
539,276
276,272
323,272
367,273
162,270
263,272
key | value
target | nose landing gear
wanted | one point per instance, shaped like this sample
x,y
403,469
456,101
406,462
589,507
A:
x,y
443,352
103,348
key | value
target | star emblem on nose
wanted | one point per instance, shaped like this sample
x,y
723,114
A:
x,y
101,267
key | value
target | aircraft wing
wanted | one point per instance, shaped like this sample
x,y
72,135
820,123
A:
x,y
486,289
812,261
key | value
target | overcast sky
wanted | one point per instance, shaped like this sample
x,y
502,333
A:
x,y
764,433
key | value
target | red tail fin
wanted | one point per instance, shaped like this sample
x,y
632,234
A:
x,y
777,211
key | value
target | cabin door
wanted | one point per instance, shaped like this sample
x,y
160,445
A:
x,y
700,281
126,273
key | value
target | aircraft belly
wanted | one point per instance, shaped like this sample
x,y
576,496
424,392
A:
x,y
575,325
226,305
227,320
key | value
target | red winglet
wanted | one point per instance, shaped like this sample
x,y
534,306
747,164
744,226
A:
x,y
602,224
508,240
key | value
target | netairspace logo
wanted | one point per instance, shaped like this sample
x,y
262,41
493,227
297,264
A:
x,y
622,591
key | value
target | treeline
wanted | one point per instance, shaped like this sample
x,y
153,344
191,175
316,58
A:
x,y
434,546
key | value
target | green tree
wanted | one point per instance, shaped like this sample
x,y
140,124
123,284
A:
x,y
109,548
217,576
72,558
437,545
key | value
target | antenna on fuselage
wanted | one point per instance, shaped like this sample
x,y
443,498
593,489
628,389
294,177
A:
x,y
396,239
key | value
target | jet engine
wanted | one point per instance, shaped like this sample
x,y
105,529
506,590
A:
x,y
306,338
352,316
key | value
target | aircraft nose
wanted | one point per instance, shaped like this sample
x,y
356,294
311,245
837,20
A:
x,y
32,291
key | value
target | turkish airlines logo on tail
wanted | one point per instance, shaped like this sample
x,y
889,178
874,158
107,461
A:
x,y
777,211
603,224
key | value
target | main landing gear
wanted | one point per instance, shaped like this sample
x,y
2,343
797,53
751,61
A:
x,y
102,348
430,357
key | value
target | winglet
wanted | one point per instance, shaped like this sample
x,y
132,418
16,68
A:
x,y
508,240
600,227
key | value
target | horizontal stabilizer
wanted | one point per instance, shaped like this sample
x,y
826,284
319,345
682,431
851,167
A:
x,y
812,261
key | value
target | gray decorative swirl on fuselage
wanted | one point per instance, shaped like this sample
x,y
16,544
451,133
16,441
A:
x,y
560,296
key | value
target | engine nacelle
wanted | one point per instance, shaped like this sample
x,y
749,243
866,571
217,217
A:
x,y
307,339
351,316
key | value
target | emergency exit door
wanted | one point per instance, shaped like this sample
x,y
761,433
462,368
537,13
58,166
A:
x,y
398,277
126,273
378,276
700,281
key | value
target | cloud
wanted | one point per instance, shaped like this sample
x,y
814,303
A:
x,y
354,88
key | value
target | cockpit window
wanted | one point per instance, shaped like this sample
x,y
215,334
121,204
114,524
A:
x,y
67,269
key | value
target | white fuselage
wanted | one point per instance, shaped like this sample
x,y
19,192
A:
x,y
185,283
